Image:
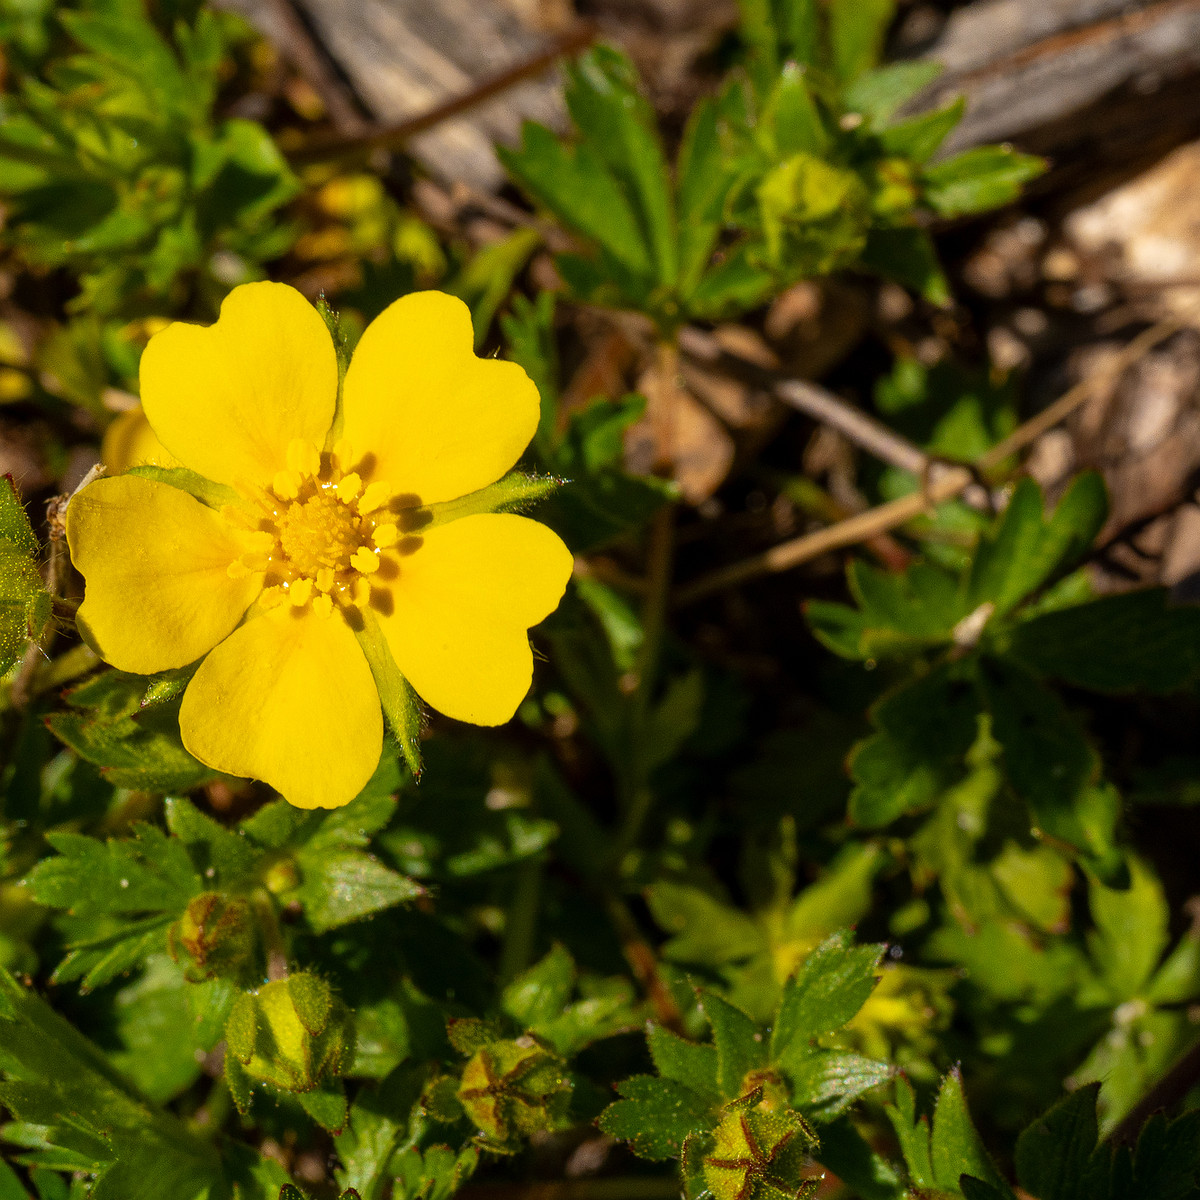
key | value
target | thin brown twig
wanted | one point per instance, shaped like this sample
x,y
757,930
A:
x,y
340,147
824,406
888,516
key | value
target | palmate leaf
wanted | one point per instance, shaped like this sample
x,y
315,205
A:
x,y
78,1113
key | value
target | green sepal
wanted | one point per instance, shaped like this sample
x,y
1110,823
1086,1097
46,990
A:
x,y
239,1083
514,493
215,495
333,322
312,1000
401,708
327,1106
241,1030
440,1100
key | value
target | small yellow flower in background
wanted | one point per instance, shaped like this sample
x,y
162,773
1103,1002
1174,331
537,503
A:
x,y
312,534
130,442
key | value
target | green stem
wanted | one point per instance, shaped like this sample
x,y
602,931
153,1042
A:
x,y
516,952
274,947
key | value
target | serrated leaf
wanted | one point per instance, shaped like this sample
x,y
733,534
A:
x,y
955,1147
924,732
147,873
655,1115
1026,549
693,1064
542,992
1053,1154
879,93
1134,641
835,981
229,855
344,886
825,1084
739,1043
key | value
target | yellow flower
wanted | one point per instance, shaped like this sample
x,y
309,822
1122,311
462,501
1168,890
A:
x,y
318,530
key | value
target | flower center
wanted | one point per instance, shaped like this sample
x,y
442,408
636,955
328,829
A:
x,y
316,533
320,532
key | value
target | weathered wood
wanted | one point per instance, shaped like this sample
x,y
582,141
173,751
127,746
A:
x,y
1027,66
404,58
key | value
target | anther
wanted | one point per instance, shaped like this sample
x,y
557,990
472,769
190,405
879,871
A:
x,y
300,592
376,495
322,606
325,577
363,560
303,457
287,484
349,487
385,535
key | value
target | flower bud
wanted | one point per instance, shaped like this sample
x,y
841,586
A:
x,y
293,1033
218,934
759,1153
512,1088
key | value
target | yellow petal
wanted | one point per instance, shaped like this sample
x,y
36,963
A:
x,y
228,400
288,698
130,442
156,565
431,418
460,607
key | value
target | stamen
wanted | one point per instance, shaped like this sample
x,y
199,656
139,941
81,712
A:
x,y
237,569
349,488
287,484
303,457
271,597
322,606
376,495
300,592
343,454
325,579
363,560
385,536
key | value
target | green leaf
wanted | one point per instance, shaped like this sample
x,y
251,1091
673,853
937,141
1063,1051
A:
x,y
230,856
912,1134
1054,1154
979,179
543,991
1133,641
89,1118
1131,931
706,930
343,886
955,1147
1025,550
619,125
824,1085
401,708
1047,758
919,137
691,1063
792,116
487,278
655,1115
702,182
924,732
146,873
24,602
856,32
907,255
327,1106
578,188
133,747
879,93
846,1153
740,1046
833,984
